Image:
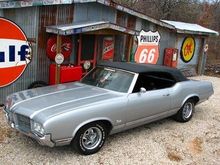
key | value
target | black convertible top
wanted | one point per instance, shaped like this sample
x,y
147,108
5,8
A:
x,y
145,68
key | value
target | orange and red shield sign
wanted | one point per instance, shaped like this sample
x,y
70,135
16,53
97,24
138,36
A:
x,y
148,47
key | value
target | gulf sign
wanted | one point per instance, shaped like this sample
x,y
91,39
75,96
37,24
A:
x,y
148,47
15,52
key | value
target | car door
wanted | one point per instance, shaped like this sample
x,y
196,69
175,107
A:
x,y
151,103
143,106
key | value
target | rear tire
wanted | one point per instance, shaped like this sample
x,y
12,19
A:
x,y
90,138
186,111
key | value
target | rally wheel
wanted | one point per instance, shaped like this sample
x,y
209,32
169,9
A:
x,y
90,138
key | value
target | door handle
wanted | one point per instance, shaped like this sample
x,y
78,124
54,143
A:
x,y
166,94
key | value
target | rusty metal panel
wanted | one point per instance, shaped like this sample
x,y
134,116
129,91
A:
x,y
121,19
131,22
138,24
26,18
134,13
119,48
20,4
144,25
94,12
33,21
49,15
167,40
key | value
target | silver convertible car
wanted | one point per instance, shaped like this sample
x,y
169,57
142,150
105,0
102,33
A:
x,y
111,98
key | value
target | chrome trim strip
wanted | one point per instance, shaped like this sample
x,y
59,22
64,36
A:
x,y
62,142
133,83
151,118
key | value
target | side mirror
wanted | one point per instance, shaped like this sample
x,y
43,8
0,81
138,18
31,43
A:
x,y
142,90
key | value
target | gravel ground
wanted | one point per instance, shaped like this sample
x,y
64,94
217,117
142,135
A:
x,y
162,142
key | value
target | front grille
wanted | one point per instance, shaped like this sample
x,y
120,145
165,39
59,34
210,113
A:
x,y
23,123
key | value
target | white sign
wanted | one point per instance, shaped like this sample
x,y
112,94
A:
x,y
148,47
59,58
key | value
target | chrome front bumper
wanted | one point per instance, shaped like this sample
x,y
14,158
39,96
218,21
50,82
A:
x,y
44,140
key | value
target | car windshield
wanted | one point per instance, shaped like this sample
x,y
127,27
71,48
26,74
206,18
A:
x,y
109,78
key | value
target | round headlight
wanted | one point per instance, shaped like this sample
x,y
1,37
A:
x,y
38,128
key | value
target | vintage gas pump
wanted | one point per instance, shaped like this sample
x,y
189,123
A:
x,y
59,49
59,58
170,57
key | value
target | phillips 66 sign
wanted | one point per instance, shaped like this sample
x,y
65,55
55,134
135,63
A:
x,y
148,47
15,52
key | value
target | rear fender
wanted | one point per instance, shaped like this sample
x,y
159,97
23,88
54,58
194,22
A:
x,y
188,97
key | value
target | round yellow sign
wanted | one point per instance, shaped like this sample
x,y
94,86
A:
x,y
188,49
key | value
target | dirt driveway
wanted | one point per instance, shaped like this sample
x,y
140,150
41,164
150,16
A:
x,y
162,142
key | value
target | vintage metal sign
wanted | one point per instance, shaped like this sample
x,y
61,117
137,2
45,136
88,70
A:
x,y
188,49
15,52
148,47
59,58
66,47
206,48
108,48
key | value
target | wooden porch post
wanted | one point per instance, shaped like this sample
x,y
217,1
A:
x,y
80,49
58,50
130,43
95,51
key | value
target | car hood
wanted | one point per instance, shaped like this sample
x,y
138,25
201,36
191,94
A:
x,y
53,100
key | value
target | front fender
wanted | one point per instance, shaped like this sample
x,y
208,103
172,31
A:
x,y
90,121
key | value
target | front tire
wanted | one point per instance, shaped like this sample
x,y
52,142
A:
x,y
90,138
186,111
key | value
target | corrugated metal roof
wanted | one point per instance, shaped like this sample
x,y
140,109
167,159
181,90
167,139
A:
x,y
189,28
133,12
180,27
25,3
83,27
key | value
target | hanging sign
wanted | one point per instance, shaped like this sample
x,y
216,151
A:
x,y
86,65
108,48
15,52
188,49
148,47
66,47
206,48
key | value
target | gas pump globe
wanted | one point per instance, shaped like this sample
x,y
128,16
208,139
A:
x,y
86,65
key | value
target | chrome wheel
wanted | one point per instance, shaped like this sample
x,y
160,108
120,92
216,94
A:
x,y
91,138
187,110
